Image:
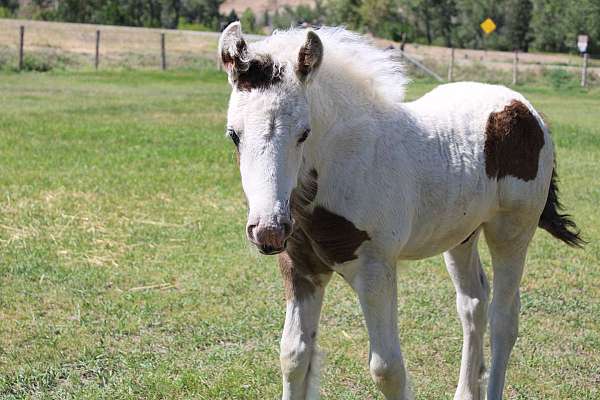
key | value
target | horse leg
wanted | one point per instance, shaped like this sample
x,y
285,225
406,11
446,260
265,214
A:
x,y
299,355
508,237
472,291
376,286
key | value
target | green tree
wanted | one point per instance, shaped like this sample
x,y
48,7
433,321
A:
x,y
204,12
248,21
266,18
584,19
422,15
170,11
284,19
344,12
470,14
445,15
232,17
382,18
548,25
518,23
304,13
8,7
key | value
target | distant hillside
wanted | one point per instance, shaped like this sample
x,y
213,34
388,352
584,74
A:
x,y
259,6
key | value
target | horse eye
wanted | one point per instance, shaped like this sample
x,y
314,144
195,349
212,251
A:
x,y
234,137
304,136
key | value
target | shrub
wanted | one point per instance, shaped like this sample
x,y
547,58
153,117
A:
x,y
559,78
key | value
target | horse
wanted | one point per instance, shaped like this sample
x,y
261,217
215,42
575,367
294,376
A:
x,y
341,175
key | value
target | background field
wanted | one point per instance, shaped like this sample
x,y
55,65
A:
x,y
55,45
124,272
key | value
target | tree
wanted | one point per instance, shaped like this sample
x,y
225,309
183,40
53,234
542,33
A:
x,y
584,19
382,18
344,12
10,7
421,11
248,21
205,12
518,23
470,14
445,15
266,18
548,26
170,11
232,17
304,13
284,19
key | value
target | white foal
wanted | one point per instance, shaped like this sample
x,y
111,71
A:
x,y
342,176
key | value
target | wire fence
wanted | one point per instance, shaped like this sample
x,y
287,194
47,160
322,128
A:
x,y
447,64
38,45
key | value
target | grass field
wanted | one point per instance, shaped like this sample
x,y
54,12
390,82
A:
x,y
125,274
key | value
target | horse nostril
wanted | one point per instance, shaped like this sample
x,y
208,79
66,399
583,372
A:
x,y
250,231
267,249
287,229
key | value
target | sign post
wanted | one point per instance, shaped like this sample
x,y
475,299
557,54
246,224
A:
x,y
488,26
21,45
582,44
515,78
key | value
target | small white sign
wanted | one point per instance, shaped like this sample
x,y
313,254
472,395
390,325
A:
x,y
582,43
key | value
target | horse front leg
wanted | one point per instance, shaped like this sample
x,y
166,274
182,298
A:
x,y
299,354
376,287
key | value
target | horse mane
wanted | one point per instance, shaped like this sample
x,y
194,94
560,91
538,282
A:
x,y
349,59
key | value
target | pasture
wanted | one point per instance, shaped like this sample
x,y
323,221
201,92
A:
x,y
125,273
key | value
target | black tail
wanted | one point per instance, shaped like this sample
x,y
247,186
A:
x,y
561,226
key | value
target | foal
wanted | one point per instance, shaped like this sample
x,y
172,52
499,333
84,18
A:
x,y
342,176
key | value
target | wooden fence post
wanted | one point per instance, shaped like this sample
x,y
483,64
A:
x,y
584,70
21,44
163,55
97,60
451,66
515,76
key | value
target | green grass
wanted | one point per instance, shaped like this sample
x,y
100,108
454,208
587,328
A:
x,y
125,274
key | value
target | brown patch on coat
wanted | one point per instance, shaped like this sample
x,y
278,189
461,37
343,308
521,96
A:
x,y
334,238
300,267
302,196
319,240
513,142
261,73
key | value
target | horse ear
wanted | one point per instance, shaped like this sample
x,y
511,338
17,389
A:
x,y
233,49
309,56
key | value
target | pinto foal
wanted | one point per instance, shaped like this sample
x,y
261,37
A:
x,y
342,176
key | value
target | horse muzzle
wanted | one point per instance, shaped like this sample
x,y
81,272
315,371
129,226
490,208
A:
x,y
270,238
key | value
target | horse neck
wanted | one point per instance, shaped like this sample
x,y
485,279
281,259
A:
x,y
346,126
335,100
340,106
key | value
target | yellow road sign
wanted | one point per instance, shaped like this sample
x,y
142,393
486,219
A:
x,y
488,26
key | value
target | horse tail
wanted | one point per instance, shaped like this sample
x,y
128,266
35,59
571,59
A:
x,y
561,226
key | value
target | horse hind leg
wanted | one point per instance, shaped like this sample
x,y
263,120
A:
x,y
472,292
508,236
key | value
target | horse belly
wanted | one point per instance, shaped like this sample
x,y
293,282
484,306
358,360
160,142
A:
x,y
442,226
